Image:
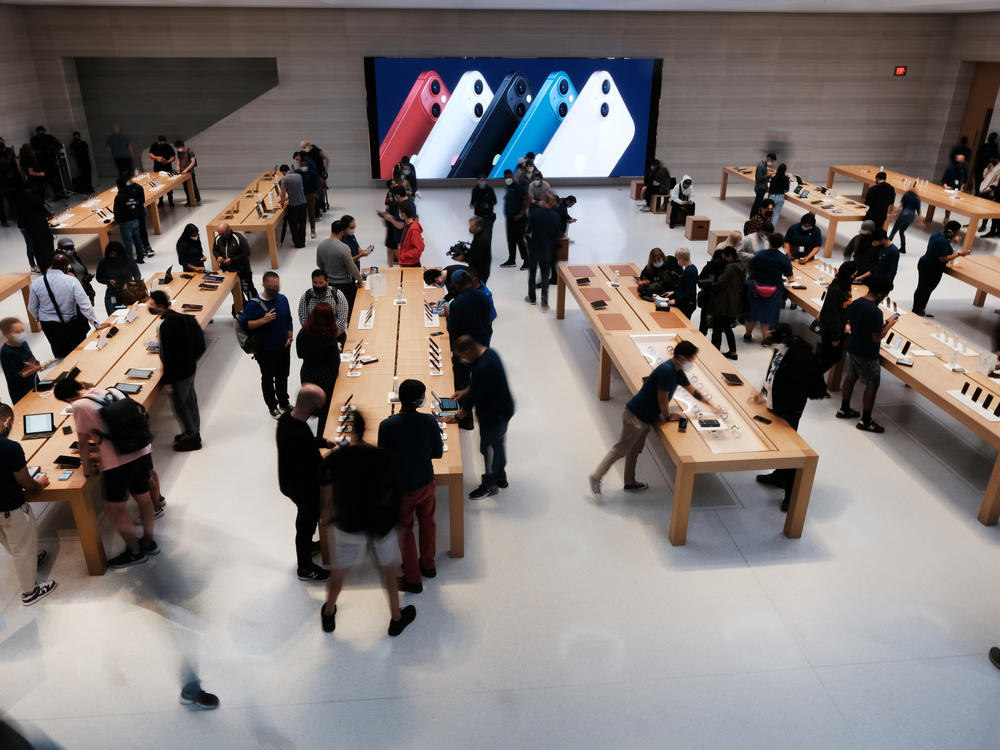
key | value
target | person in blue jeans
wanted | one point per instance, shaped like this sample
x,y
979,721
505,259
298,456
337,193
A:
x,y
488,393
909,209
129,208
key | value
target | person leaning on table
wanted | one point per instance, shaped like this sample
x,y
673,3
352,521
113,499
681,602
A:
x,y
644,410
804,239
942,248
18,528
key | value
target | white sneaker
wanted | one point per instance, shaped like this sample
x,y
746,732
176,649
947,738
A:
x,y
40,591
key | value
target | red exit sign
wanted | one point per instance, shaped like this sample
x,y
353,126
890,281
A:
x,y
899,70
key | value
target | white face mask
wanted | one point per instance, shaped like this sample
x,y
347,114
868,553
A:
x,y
20,337
482,183
658,264
538,183
508,180
350,232
687,365
466,362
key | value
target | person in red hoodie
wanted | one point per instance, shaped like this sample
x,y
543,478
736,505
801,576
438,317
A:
x,y
412,245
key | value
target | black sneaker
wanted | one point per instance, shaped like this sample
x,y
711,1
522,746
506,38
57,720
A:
x,y
158,512
40,591
502,484
770,479
524,267
276,412
994,655
139,260
315,574
428,572
747,337
483,491
149,547
408,587
329,621
870,426
731,355
508,264
636,487
406,615
126,558
199,700
188,444
847,414
150,252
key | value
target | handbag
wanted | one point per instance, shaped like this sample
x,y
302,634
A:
x,y
134,291
764,291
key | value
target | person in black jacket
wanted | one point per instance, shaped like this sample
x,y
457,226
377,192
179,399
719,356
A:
x,y
190,254
833,315
129,208
543,225
656,182
483,199
480,257
880,198
444,278
233,253
469,314
793,377
33,221
182,342
299,462
115,270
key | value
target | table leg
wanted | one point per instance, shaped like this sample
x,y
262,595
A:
x,y
272,246
683,487
831,238
795,519
560,298
154,217
725,184
865,187
26,293
210,236
604,377
930,213
970,235
980,299
829,178
456,516
85,518
103,237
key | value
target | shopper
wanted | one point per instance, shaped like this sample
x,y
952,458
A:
x,y
81,155
793,377
482,201
488,395
269,321
118,448
778,185
644,410
685,296
867,331
316,346
18,528
880,198
115,270
515,205
359,493
77,268
164,159
190,254
480,256
727,299
468,314
804,240
129,206
186,163
232,253
20,366
942,248
409,173
299,462
59,303
764,215
293,200
833,321
333,257
320,292
765,286
989,188
656,182
860,249
182,342
681,202
887,258
309,171
543,228
121,151
537,188
761,178
351,240
414,440
908,212
33,221
411,245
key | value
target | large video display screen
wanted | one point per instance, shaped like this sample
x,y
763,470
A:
x,y
466,116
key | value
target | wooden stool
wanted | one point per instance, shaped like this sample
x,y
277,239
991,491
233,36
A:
x,y
696,227
715,236
660,204
635,190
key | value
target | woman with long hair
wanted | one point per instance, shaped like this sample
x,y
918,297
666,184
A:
x,y
190,253
776,190
114,271
316,346
833,315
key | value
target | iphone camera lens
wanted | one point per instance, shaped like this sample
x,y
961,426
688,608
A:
x,y
520,88
436,87
436,109
605,87
563,109
478,86
519,109
604,109
563,87
478,110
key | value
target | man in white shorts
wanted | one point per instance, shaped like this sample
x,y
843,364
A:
x,y
360,498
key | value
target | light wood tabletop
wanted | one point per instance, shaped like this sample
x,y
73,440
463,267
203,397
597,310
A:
x,y
753,445
255,209
12,282
833,208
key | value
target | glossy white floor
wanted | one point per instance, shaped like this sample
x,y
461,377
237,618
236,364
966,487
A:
x,y
569,622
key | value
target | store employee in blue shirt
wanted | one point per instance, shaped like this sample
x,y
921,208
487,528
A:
x,y
803,240
644,410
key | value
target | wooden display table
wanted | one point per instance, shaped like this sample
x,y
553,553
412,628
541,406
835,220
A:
x,y
834,210
400,340
10,283
979,271
623,328
934,195
243,216
105,367
83,218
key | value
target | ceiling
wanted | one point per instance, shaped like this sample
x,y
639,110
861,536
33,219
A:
x,y
745,6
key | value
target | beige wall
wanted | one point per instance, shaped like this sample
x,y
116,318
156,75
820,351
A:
x,y
822,83
20,104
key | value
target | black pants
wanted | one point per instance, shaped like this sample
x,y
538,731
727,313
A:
x,y
306,520
688,309
42,244
830,353
787,476
65,337
325,379
679,213
929,274
515,240
86,177
274,376
144,235
297,224
350,292
722,326
482,269
461,373
124,166
246,284
758,198
7,196
194,189
540,258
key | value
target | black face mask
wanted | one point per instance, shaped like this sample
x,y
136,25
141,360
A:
x,y
320,291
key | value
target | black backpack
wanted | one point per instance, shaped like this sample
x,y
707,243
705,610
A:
x,y
127,421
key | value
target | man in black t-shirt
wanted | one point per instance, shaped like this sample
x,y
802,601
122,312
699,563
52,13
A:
x,y
47,148
18,530
359,495
164,160
81,155
880,198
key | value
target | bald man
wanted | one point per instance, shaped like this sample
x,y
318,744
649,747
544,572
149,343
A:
x,y
233,254
298,475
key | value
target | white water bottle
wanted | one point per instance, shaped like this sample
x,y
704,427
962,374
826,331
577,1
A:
x,y
395,383
616,277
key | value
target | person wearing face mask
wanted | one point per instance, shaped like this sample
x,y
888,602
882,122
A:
x,y
652,277
794,376
515,208
942,248
479,256
232,253
685,296
804,239
307,168
681,202
18,528
293,199
644,410
299,462
727,300
321,291
394,225
543,225
316,346
409,173
182,342
333,257
761,179
764,215
833,322
19,363
414,440
766,286
444,278
867,331
753,243
115,270
538,188
411,244
482,202
268,319
190,253
488,395
351,240
128,205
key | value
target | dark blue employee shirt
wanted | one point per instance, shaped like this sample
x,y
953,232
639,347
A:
x,y
644,404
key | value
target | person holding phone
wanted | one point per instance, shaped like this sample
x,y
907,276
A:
x,y
350,227
293,200
942,248
18,528
115,270
270,321
411,246
20,366
645,408
863,362
833,322
333,257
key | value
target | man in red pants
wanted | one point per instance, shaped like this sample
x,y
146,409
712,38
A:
x,y
414,440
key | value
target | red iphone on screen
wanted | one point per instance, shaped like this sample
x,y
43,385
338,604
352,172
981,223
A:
x,y
413,123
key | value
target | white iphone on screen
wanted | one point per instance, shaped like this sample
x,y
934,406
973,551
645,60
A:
x,y
469,100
